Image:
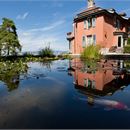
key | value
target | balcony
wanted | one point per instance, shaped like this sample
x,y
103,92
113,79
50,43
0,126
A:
x,y
70,36
124,34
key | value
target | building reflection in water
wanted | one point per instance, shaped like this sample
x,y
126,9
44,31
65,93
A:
x,y
102,78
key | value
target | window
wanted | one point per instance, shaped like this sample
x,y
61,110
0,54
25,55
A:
x,y
93,22
85,24
128,29
85,83
84,41
89,23
89,39
94,39
89,83
93,84
118,25
119,41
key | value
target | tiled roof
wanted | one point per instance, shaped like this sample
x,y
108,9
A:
x,y
88,12
91,10
97,10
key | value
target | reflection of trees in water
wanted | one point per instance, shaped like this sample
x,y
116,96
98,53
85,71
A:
x,y
46,64
10,73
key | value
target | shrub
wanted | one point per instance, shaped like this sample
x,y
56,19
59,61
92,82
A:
x,y
127,49
128,41
91,52
46,52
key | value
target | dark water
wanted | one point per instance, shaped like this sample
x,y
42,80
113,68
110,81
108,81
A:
x,y
66,94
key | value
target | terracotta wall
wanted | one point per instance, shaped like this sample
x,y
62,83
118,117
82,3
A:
x,y
80,32
109,39
109,28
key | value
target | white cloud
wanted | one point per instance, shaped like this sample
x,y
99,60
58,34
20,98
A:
x,y
36,43
22,17
34,39
52,26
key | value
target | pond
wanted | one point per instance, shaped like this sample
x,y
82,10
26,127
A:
x,y
65,94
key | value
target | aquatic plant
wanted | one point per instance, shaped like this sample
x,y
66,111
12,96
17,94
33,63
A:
x,y
46,52
91,52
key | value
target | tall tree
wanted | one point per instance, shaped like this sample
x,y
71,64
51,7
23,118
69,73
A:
x,y
9,43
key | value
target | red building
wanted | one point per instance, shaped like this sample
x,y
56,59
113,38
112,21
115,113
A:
x,y
98,26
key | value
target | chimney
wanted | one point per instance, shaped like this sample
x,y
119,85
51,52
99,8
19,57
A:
x,y
91,3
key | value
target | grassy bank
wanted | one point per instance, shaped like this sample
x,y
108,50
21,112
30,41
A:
x,y
35,58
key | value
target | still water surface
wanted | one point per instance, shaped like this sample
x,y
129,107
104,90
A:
x,y
67,94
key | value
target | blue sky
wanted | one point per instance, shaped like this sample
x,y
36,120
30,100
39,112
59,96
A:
x,y
41,21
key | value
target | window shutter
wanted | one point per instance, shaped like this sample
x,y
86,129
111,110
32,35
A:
x,y
87,24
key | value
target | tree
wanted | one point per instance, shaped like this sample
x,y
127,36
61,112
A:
x,y
9,43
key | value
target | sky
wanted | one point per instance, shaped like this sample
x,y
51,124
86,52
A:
x,y
45,22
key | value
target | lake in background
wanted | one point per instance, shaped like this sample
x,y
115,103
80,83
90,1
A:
x,y
67,94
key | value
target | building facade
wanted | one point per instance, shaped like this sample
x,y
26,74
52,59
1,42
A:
x,y
98,26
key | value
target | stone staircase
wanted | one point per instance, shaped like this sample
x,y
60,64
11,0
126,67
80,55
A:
x,y
119,50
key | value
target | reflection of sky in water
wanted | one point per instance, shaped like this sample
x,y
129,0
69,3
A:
x,y
43,94
22,100
51,101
